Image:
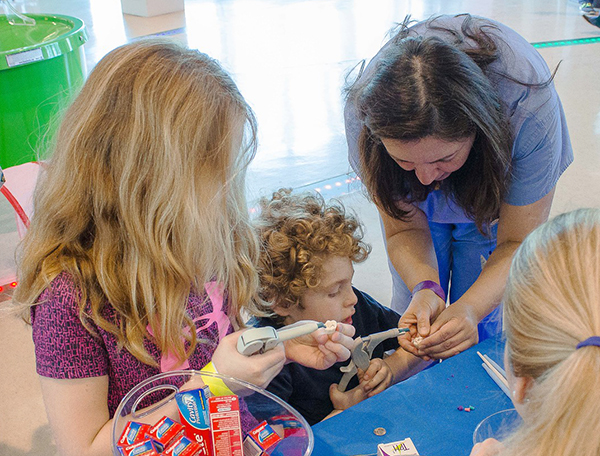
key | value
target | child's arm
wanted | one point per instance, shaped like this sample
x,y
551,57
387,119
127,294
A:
x,y
397,367
77,408
78,415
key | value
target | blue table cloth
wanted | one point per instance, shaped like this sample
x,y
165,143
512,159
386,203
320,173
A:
x,y
424,408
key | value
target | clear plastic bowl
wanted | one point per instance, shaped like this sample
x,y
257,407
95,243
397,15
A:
x,y
497,426
157,394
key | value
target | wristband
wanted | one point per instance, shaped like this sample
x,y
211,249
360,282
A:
x,y
217,385
430,285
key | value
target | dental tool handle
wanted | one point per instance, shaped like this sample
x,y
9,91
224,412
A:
x,y
297,331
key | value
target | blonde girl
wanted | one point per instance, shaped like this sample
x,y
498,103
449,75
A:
x,y
139,255
553,350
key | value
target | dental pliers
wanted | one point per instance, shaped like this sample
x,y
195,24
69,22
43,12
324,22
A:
x,y
362,352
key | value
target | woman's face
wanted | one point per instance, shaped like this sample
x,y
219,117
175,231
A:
x,y
430,158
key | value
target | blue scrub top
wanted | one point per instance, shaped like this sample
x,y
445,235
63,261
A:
x,y
542,148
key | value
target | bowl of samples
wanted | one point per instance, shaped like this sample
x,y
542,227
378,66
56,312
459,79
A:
x,y
196,413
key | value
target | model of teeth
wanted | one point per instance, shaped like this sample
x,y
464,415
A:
x,y
417,341
330,326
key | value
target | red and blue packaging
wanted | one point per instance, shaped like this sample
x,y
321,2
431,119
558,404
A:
x,y
183,447
291,425
133,433
194,414
224,414
165,431
260,439
144,448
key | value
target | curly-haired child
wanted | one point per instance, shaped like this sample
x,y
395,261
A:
x,y
306,269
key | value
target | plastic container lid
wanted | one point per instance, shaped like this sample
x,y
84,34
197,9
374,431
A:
x,y
50,37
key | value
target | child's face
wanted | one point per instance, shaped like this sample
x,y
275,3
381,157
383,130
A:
x,y
333,299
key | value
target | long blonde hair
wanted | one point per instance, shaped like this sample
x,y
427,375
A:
x,y
552,303
144,198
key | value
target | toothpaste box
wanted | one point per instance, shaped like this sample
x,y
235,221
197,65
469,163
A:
x,y
225,425
134,432
291,425
404,447
183,447
193,411
145,448
260,439
165,431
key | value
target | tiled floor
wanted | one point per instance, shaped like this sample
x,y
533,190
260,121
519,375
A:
x,y
289,59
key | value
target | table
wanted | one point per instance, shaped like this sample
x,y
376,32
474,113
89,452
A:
x,y
423,407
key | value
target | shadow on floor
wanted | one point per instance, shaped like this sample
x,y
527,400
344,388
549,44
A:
x,y
42,444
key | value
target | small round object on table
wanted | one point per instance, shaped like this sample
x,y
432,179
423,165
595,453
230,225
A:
x,y
379,431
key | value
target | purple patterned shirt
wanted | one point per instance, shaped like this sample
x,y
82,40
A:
x,y
65,349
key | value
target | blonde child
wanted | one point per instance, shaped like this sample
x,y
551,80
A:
x,y
306,268
140,255
552,358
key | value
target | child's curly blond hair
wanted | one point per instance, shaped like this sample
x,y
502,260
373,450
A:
x,y
297,233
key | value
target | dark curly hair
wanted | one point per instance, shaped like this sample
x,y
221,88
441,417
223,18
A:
x,y
297,233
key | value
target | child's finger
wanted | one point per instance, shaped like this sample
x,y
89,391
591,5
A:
x,y
381,387
382,376
372,370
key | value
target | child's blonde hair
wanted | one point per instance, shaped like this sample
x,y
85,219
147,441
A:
x,y
297,232
144,195
552,303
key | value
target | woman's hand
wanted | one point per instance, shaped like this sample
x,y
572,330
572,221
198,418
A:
x,y
452,332
489,447
376,378
320,350
258,369
423,309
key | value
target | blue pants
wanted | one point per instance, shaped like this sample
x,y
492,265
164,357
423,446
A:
x,y
461,252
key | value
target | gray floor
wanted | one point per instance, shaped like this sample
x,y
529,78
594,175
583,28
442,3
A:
x,y
289,59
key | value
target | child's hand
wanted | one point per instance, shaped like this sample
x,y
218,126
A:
x,y
319,350
258,369
376,378
342,401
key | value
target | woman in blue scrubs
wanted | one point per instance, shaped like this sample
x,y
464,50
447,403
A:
x,y
460,138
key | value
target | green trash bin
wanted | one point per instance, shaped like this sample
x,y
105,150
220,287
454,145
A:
x,y
41,68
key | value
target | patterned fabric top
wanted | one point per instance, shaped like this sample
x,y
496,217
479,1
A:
x,y
65,349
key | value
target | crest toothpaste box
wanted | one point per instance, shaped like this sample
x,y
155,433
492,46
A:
x,y
225,425
193,411
260,439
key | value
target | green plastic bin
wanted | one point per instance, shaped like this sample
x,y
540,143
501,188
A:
x,y
41,68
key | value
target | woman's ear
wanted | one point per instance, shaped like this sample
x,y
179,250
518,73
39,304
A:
x,y
521,388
